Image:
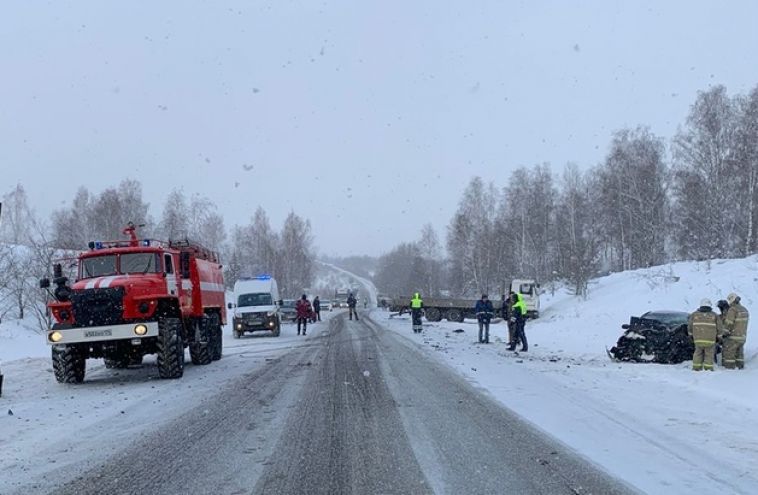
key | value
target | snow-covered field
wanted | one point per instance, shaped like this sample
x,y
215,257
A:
x,y
662,428
50,432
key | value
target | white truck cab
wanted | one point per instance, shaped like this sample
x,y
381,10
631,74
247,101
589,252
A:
x,y
530,291
256,306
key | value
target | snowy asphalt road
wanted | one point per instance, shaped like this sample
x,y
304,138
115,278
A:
x,y
357,411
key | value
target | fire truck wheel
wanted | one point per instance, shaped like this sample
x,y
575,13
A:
x,y
217,338
200,353
68,364
170,348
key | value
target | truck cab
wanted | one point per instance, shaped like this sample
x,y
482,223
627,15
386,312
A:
x,y
256,306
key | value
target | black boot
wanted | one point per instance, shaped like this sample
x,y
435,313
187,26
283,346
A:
x,y
522,339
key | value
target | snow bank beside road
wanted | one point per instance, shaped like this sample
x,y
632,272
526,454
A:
x,y
18,340
662,428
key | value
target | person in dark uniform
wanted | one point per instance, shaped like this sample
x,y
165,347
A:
x,y
484,312
317,308
351,302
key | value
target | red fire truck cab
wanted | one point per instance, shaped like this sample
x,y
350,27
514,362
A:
x,y
137,297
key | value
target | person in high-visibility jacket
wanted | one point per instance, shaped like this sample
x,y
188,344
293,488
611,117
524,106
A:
x,y
734,333
704,326
518,320
416,306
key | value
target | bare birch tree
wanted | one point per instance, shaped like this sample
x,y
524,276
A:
x,y
704,189
745,166
633,192
578,239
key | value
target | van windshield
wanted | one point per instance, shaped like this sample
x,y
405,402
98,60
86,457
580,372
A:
x,y
259,299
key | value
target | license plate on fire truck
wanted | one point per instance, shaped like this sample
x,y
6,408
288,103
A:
x,y
98,333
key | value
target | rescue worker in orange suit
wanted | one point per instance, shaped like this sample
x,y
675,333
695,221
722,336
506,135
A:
x,y
734,334
704,326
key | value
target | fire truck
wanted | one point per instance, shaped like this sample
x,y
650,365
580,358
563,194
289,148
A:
x,y
136,297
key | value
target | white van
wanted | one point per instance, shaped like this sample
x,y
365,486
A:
x,y
256,306
530,291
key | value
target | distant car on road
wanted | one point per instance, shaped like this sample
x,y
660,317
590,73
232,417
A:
x,y
326,305
656,336
288,311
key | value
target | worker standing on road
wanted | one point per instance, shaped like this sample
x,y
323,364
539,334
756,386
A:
x,y
351,302
303,311
518,320
317,308
484,312
734,333
506,311
704,326
417,305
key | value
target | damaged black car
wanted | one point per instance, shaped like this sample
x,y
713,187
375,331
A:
x,y
655,337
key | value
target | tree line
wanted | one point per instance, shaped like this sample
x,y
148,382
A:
x,y
649,202
29,244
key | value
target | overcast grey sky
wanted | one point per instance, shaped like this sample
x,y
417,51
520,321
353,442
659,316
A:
x,y
366,117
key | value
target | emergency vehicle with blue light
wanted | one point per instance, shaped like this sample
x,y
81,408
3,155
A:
x,y
137,297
